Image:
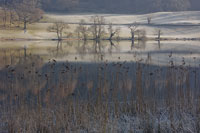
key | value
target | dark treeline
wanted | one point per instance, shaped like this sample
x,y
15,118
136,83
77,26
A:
x,y
135,6
120,6
116,6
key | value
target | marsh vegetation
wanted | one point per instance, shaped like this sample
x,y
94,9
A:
x,y
60,92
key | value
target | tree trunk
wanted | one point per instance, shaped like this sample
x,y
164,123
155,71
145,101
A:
x,y
133,35
159,33
58,36
132,39
158,36
132,44
111,36
25,26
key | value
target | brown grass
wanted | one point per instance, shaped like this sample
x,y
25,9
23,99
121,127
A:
x,y
39,97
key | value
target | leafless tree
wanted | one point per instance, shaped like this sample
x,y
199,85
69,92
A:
x,y
133,27
97,28
58,28
159,33
113,31
149,18
141,33
4,13
28,12
82,30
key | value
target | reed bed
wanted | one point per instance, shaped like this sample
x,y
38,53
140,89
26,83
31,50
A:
x,y
97,97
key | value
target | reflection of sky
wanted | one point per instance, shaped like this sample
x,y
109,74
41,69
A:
x,y
149,52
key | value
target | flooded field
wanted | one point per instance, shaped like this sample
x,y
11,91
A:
x,y
89,86
151,52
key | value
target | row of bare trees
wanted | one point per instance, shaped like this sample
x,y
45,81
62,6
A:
x,y
20,12
97,30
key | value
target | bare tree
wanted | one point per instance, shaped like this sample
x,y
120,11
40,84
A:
x,y
149,18
133,27
97,28
158,33
82,30
28,12
141,33
58,28
113,31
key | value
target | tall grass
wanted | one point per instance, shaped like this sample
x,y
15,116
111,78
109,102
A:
x,y
96,97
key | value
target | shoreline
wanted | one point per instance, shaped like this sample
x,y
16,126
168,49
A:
x,y
103,39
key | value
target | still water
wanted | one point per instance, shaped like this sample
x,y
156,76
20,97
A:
x,y
157,53
58,70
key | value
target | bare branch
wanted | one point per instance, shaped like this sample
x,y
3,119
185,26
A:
x,y
58,28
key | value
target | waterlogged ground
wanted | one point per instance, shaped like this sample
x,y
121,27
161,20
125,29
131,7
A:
x,y
147,86
75,65
157,53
